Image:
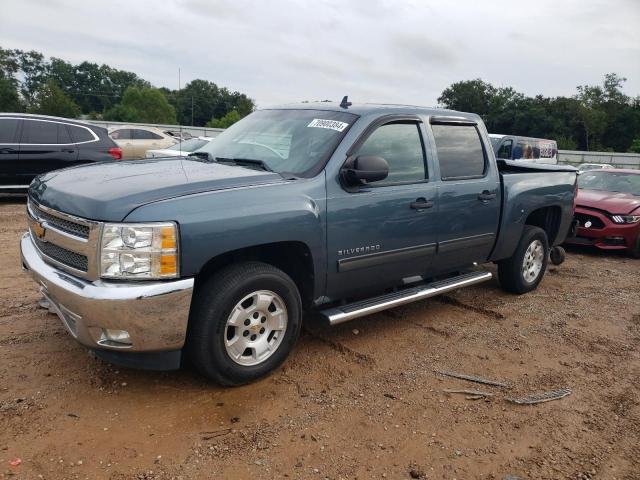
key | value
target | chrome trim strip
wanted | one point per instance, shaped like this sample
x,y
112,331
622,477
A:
x,y
93,134
12,187
338,315
465,242
380,258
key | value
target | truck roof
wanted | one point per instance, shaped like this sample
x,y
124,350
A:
x,y
365,109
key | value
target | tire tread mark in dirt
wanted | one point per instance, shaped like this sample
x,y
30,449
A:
x,y
446,299
358,357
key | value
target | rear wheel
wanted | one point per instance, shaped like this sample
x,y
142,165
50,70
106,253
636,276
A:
x,y
523,272
245,321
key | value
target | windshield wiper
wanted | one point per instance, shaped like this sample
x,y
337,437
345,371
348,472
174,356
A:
x,y
202,155
245,162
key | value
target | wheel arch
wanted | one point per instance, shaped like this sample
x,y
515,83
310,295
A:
x,y
548,219
292,257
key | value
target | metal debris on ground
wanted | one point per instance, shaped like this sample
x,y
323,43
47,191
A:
x,y
541,397
472,378
473,393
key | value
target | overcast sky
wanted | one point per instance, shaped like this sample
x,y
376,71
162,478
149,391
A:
x,y
372,50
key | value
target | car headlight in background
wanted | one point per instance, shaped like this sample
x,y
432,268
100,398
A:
x,y
626,218
139,250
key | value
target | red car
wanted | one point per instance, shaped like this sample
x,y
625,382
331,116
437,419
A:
x,y
608,210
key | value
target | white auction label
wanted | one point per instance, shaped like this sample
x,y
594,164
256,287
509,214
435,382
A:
x,y
331,124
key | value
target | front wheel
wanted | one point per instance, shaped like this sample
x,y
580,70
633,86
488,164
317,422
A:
x,y
244,322
523,271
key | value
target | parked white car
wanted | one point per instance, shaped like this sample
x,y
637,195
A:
x,y
181,149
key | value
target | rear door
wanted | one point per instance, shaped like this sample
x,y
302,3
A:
x,y
144,140
9,150
124,139
45,145
469,200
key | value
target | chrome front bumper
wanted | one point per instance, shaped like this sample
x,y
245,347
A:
x,y
155,314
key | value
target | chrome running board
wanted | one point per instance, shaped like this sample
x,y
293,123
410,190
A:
x,y
350,311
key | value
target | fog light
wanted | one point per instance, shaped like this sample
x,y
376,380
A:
x,y
110,336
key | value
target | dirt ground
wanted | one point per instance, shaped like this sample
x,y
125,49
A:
x,y
356,401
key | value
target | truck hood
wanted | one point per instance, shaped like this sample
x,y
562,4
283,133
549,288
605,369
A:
x,y
612,202
110,191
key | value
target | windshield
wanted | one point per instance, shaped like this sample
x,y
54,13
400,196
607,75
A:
x,y
609,181
287,141
190,145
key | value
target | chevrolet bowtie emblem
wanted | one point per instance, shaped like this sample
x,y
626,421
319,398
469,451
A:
x,y
39,230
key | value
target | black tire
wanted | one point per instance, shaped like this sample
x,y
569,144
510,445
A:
x,y
212,305
558,255
635,251
510,271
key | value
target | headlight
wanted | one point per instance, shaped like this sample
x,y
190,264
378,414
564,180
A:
x,y
626,218
139,250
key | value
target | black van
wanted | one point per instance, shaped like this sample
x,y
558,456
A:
x,y
35,144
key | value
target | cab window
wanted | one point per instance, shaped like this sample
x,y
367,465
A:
x,y
460,151
400,144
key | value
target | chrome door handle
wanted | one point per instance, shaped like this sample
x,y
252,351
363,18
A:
x,y
486,195
421,204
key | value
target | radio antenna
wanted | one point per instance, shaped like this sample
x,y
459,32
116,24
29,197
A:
x,y
345,103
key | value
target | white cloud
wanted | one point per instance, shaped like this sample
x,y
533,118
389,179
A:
x,y
385,51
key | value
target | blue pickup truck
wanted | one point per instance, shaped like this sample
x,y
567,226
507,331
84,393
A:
x,y
339,209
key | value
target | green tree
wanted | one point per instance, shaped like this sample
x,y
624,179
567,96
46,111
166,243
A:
x,y
200,101
475,96
635,146
9,98
225,122
49,99
146,105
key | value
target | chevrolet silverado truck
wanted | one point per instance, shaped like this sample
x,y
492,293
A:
x,y
331,208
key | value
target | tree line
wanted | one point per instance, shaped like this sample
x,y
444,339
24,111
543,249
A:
x,y
31,83
596,118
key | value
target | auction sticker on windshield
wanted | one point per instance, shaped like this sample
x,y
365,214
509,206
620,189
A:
x,y
331,124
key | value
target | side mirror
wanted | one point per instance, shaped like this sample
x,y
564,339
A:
x,y
365,169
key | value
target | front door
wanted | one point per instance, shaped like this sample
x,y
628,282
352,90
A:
x,y
45,145
469,201
385,231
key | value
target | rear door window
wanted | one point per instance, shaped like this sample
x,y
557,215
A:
x,y
9,130
139,134
400,144
460,151
38,132
122,134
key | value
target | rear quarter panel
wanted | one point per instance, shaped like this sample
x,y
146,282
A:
x,y
526,192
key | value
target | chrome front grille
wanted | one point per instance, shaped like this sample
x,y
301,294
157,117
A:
x,y
62,224
62,255
66,241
